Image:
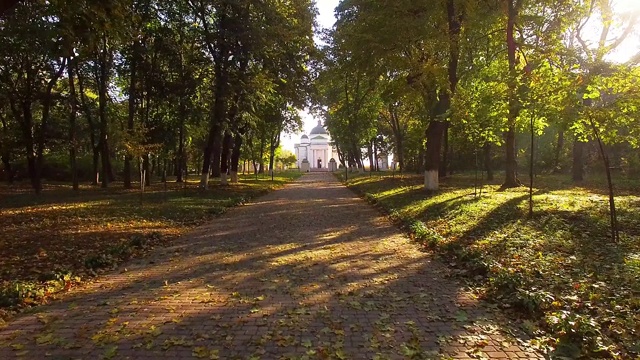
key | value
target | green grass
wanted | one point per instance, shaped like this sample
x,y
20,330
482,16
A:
x,y
579,292
51,240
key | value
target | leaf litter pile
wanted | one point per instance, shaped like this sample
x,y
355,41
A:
x,y
53,241
577,292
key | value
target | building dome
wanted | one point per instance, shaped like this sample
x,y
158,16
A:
x,y
318,130
304,139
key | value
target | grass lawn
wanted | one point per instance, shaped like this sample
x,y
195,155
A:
x,y
577,291
50,241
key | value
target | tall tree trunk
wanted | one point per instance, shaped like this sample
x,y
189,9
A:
x,y
95,147
375,156
274,144
488,161
235,158
213,140
444,164
102,113
5,154
434,135
578,160
263,144
146,167
96,165
437,126
227,144
181,163
133,78
511,166
28,139
371,157
73,146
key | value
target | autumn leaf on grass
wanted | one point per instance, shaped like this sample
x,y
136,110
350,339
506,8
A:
x,y
154,331
201,352
461,316
306,343
44,339
110,352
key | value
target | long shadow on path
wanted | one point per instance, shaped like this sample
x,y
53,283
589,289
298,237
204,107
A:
x,y
309,271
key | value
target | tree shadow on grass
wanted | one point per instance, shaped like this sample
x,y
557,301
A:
x,y
327,279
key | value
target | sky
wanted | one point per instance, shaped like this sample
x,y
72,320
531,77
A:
x,y
325,19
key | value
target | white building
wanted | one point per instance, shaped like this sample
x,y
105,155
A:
x,y
315,148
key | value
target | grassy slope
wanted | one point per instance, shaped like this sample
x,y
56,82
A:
x,y
578,290
60,235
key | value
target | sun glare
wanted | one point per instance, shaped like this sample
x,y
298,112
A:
x,y
627,6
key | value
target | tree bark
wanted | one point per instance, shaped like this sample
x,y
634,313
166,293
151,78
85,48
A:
x,y
133,78
511,178
437,126
488,161
5,156
147,169
181,163
274,144
371,157
444,164
434,135
27,126
102,113
72,128
92,133
227,144
235,158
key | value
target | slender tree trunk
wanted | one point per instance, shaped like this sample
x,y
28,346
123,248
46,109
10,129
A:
x,y
146,167
371,157
615,237
6,162
531,164
181,163
5,156
375,156
95,148
578,160
73,146
235,158
488,161
102,112
444,164
96,165
27,126
274,144
132,113
263,144
511,169
227,144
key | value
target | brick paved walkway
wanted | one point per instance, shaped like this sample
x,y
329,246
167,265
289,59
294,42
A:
x,y
307,272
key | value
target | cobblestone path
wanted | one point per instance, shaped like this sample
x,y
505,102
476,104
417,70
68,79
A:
x,y
307,272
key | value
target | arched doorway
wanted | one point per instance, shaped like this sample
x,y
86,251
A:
x,y
319,163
